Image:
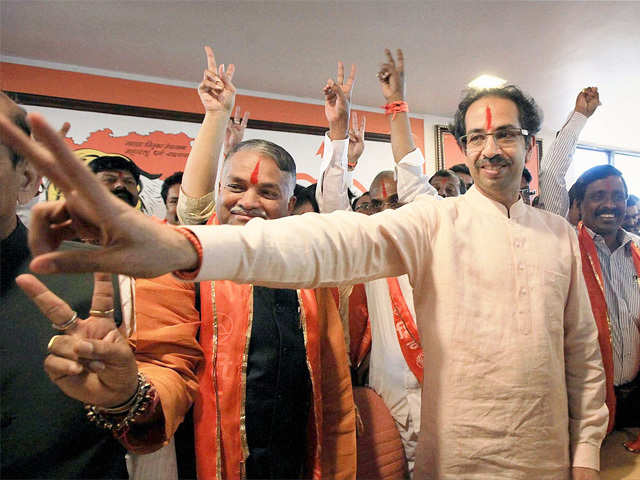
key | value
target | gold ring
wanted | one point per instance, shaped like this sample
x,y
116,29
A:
x,y
101,313
68,324
51,342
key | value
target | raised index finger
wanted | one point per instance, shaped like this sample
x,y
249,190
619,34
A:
x,y
53,307
66,170
38,155
211,59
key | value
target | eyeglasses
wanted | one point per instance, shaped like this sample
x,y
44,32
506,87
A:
x,y
391,202
364,207
504,138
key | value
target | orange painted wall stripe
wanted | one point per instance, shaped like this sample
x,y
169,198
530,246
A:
x,y
96,88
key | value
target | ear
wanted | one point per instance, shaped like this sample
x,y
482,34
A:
x,y
291,204
531,143
29,182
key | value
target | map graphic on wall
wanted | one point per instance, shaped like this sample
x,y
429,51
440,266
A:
x,y
160,147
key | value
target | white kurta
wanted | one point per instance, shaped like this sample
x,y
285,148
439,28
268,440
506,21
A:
x,y
515,384
389,374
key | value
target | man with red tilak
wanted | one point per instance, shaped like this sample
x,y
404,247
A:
x,y
514,387
274,398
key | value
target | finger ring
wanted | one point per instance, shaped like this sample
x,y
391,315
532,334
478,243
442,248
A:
x,y
68,324
101,313
51,342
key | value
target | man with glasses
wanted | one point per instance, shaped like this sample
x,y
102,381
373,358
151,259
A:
x,y
514,387
362,204
384,192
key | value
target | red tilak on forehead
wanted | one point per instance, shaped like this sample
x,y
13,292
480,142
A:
x,y
487,113
384,191
254,174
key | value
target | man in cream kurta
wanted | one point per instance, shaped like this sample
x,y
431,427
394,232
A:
x,y
505,326
515,384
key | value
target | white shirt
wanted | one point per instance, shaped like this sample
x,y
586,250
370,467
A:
x,y
618,270
389,374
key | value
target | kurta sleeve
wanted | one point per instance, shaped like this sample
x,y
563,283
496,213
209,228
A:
x,y
411,181
555,164
167,352
588,413
195,211
317,250
334,181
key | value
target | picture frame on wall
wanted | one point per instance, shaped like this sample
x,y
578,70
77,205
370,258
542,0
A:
x,y
448,152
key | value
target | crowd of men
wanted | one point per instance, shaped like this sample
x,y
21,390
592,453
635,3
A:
x,y
251,320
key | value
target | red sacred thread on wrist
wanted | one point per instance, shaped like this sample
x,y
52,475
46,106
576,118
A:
x,y
190,274
395,107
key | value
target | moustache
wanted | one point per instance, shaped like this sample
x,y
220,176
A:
x,y
254,212
125,195
495,160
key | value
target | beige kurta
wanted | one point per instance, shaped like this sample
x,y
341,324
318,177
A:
x,y
515,385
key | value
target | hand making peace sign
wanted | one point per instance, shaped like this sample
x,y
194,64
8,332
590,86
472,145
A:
x,y
216,91
89,360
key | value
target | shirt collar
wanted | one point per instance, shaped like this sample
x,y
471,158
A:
x,y
627,237
488,205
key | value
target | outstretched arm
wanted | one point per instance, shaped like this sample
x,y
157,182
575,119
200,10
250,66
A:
x,y
217,94
557,160
391,243
333,183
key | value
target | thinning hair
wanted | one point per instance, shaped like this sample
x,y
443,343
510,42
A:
x,y
380,177
529,114
283,159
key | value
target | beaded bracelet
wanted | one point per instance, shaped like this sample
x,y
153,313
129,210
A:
x,y
117,419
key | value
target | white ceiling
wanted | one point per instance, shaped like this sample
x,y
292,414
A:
x,y
551,49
